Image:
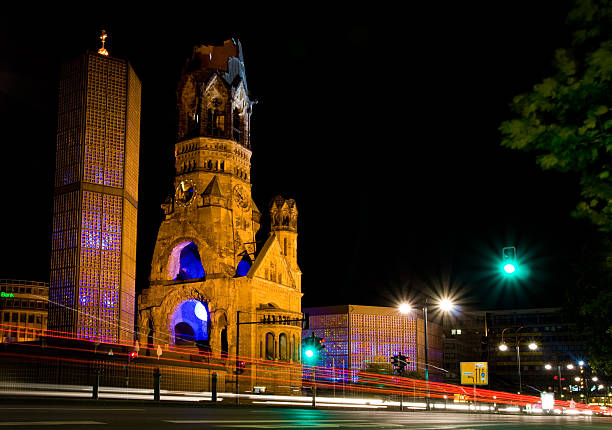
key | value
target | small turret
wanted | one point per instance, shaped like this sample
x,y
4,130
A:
x,y
283,224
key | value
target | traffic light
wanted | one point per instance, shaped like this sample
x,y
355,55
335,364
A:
x,y
399,362
240,366
402,364
312,347
395,361
509,260
132,356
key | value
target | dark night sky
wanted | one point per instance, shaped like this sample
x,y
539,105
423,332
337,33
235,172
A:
x,y
382,125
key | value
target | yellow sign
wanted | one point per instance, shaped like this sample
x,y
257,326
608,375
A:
x,y
474,373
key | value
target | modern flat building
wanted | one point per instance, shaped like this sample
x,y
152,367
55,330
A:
x,y
23,309
93,250
357,337
476,336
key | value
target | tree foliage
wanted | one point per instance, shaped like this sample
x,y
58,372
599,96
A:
x,y
566,121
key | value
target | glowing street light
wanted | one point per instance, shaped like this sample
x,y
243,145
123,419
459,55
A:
x,y
570,366
405,308
446,305
547,366
504,347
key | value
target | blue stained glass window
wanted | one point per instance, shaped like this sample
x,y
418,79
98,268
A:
x,y
190,263
243,268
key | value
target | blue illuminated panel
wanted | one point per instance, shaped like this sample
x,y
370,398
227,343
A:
x,y
98,297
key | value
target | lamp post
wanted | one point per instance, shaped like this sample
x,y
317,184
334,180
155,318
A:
x,y
569,366
503,347
446,305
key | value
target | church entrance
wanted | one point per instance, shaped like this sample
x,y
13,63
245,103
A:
x,y
190,325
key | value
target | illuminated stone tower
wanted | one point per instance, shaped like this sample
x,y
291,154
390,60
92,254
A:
x,y
206,268
93,250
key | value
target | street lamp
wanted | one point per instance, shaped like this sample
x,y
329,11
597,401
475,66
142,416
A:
x,y
569,366
503,347
446,305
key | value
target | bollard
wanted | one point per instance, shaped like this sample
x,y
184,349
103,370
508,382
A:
x,y
156,384
96,384
213,388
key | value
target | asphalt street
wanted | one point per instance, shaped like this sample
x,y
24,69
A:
x,y
43,413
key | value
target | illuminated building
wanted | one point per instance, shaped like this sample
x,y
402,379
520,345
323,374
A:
x,y
93,250
357,337
23,310
206,271
551,329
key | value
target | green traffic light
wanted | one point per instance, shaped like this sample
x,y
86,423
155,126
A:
x,y
309,353
509,268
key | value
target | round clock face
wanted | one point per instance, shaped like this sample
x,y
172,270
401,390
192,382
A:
x,y
185,192
241,197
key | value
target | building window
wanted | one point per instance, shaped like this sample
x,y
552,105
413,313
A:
x,y
282,347
237,126
269,346
455,331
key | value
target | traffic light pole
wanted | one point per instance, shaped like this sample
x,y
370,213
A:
x,y
238,324
426,358
237,353
314,386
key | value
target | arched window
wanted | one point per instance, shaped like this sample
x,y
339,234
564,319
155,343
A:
x,y
209,165
282,347
185,263
237,126
269,346
244,265
294,349
209,122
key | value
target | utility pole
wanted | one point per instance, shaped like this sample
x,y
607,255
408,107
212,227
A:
x,y
237,352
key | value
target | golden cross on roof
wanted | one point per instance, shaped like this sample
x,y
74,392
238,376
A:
x,y
103,50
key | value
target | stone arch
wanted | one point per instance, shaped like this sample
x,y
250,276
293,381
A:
x,y
190,324
184,262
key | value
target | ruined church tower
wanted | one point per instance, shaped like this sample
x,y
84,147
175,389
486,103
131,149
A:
x,y
206,270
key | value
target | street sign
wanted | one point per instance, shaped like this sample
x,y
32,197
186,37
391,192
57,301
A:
x,y
474,373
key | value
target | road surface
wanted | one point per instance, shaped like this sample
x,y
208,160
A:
x,y
100,415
